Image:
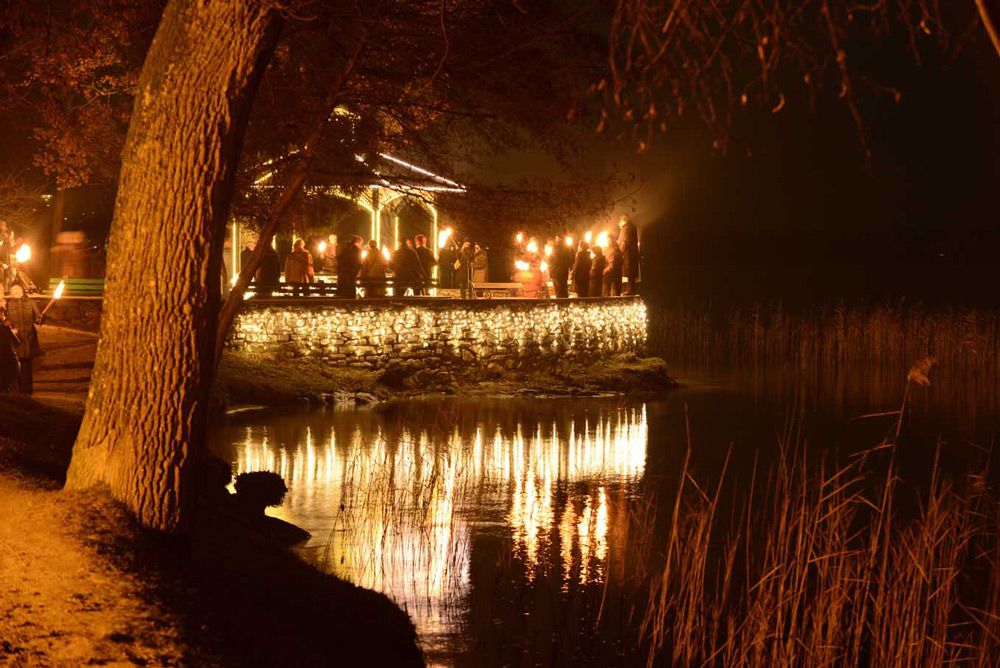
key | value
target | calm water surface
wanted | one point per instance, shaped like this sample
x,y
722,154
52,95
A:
x,y
525,532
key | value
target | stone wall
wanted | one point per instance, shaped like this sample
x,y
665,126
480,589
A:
x,y
508,333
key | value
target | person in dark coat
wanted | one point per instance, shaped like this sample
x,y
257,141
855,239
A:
x,y
597,266
613,272
628,242
245,255
348,266
10,366
560,262
299,264
426,257
581,271
464,271
24,315
447,257
269,271
406,269
373,269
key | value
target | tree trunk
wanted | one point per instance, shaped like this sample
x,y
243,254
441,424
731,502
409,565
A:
x,y
144,427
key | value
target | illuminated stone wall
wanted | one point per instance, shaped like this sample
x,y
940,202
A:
x,y
489,333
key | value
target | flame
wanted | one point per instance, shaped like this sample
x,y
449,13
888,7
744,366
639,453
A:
x,y
532,246
544,266
385,252
569,242
588,236
23,253
322,247
521,265
603,240
548,250
364,254
519,237
443,237
57,293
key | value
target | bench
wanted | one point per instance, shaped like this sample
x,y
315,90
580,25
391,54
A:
x,y
78,287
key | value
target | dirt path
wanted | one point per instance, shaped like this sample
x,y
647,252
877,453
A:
x,y
61,604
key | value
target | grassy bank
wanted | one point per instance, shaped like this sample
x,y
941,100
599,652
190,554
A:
x,y
263,379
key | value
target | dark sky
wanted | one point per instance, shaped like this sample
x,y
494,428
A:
x,y
806,218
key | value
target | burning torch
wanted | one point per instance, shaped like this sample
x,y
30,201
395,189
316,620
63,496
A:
x,y
56,294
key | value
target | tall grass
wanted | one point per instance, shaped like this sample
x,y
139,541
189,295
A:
x,y
863,345
822,568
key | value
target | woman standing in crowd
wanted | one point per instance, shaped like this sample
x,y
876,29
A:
x,y
480,265
10,366
613,272
373,269
463,265
299,264
23,315
599,262
581,271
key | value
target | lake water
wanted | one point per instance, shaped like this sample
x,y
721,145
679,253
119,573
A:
x,y
525,532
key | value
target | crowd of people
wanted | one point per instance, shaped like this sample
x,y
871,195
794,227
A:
x,y
590,267
594,266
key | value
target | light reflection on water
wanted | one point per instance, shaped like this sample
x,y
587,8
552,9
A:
x,y
395,504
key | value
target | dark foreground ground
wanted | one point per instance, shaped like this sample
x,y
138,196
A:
x,y
81,584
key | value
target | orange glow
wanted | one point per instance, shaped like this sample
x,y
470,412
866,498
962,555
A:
x,y
588,236
569,242
23,253
521,265
322,247
59,290
532,246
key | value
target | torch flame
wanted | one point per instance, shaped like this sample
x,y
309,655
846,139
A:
x,y
569,242
588,236
57,293
364,254
385,252
520,237
443,237
322,247
532,246
548,250
521,265
544,266
23,253
602,240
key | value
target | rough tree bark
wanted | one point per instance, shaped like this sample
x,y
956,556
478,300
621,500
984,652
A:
x,y
145,420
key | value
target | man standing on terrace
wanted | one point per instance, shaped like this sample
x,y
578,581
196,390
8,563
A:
x,y
426,257
628,243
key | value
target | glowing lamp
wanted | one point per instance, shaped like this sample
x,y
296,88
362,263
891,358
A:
x,y
532,247
23,253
